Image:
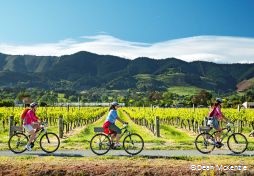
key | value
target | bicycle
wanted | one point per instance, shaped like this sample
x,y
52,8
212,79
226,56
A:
x,y
206,142
49,142
101,143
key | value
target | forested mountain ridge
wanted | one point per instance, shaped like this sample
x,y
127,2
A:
x,y
84,70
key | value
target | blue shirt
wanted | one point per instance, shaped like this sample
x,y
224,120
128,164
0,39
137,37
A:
x,y
112,116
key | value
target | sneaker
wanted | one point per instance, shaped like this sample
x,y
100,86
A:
x,y
211,141
219,144
28,147
117,145
32,145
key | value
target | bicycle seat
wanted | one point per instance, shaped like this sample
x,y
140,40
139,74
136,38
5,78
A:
x,y
204,128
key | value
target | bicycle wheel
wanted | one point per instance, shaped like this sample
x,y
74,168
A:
x,y
17,143
204,143
133,144
237,143
100,144
49,142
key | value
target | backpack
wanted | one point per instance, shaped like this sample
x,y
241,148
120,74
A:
x,y
23,114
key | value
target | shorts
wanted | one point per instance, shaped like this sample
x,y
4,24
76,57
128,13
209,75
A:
x,y
113,127
28,127
216,124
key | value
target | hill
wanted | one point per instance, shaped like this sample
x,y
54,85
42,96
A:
x,y
84,70
245,85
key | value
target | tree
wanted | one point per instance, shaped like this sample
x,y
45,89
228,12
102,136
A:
x,y
202,98
249,95
155,97
168,98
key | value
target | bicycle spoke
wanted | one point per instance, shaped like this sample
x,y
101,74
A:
x,y
17,143
100,144
237,143
49,142
133,144
204,143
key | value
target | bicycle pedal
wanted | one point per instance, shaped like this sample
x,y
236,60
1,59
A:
x,y
219,145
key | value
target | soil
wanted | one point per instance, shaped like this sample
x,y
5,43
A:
x,y
105,167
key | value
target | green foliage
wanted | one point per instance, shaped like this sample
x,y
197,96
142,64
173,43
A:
x,y
6,103
202,98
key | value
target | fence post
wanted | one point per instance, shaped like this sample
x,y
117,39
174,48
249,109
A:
x,y
11,120
60,126
205,121
157,126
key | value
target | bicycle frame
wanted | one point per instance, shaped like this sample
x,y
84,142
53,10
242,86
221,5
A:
x,y
224,135
125,131
41,131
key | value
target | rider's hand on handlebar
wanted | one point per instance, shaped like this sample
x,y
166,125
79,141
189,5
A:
x,y
229,124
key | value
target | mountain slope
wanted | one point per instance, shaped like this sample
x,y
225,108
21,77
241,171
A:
x,y
84,70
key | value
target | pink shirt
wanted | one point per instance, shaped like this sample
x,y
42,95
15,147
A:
x,y
30,118
216,112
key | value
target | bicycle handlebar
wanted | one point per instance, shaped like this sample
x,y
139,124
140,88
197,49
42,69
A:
x,y
44,124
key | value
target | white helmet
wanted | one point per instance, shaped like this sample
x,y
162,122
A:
x,y
114,103
219,100
32,105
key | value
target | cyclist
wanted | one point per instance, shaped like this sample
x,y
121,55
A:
x,y
109,125
31,123
215,115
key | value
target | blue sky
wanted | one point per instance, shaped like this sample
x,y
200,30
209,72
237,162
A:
x,y
27,23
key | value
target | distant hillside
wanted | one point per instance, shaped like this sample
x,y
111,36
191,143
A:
x,y
245,85
85,70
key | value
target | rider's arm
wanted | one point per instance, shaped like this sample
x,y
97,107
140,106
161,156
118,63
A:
x,y
121,120
33,117
117,117
225,119
221,115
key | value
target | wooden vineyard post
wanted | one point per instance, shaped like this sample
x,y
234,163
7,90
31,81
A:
x,y
157,126
11,119
205,121
60,126
238,121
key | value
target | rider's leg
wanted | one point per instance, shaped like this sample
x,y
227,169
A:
x,y
218,134
113,137
118,138
113,127
32,136
36,126
217,128
31,132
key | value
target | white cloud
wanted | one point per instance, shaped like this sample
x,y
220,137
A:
x,y
218,49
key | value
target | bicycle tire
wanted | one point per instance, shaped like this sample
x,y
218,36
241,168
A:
x,y
100,144
50,139
20,140
203,140
237,140
129,145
